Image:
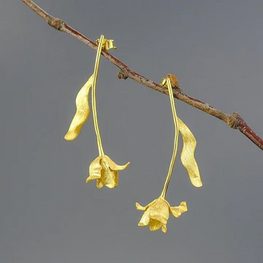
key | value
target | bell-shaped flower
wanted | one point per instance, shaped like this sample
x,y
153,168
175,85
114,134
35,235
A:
x,y
156,214
105,171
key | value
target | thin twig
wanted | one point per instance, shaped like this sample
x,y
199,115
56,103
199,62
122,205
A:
x,y
234,121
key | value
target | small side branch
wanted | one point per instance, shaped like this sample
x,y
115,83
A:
x,y
234,121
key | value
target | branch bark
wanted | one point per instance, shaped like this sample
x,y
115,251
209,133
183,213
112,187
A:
x,y
234,121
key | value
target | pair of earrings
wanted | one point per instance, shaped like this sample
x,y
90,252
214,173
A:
x,y
105,171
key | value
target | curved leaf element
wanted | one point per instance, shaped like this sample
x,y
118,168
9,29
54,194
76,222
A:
x,y
187,155
82,112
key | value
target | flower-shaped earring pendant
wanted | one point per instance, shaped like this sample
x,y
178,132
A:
x,y
156,214
105,171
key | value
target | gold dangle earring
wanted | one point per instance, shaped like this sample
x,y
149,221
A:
x,y
102,169
156,214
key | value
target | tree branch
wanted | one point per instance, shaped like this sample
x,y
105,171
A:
x,y
234,121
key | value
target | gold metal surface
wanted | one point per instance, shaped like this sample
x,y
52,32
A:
x,y
105,171
156,214
187,155
106,44
94,107
176,133
82,112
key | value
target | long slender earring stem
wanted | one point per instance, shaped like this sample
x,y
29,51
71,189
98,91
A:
x,y
94,109
170,171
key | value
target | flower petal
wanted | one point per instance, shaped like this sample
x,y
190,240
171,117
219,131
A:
x,y
99,183
159,210
176,211
155,225
115,166
145,207
144,219
139,207
159,216
159,213
187,155
164,228
94,170
82,112
108,177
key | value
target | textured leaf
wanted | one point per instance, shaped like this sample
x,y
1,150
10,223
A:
x,y
82,112
187,155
